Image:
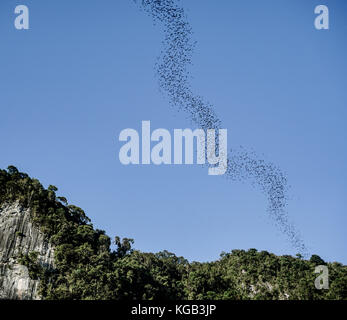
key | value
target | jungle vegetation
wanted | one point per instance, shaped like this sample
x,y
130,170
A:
x,y
87,268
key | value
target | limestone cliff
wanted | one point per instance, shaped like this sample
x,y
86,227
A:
x,y
19,235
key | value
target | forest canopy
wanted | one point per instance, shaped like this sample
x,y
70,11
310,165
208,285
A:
x,y
87,268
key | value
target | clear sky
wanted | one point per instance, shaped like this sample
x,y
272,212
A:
x,y
84,72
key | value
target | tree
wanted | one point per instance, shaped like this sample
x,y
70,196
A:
x,y
317,260
123,246
63,200
12,170
52,188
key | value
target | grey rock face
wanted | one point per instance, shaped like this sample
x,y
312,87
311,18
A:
x,y
19,235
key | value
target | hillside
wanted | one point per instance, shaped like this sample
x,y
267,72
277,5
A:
x,y
50,250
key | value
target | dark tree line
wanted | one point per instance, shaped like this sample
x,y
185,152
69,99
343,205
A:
x,y
87,268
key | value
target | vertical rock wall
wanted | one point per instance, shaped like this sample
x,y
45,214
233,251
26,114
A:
x,y
19,235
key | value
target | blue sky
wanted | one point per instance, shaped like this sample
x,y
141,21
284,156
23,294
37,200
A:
x,y
84,72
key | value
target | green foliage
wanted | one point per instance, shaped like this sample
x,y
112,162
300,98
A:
x,y
123,246
52,188
36,271
86,267
317,260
